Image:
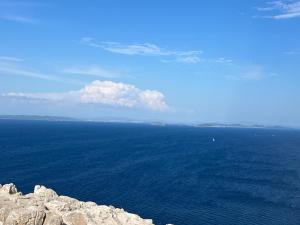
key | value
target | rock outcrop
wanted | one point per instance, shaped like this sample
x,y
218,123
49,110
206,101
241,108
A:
x,y
45,207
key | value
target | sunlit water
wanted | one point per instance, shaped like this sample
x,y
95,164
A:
x,y
171,174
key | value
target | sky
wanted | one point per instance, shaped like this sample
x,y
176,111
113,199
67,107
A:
x,y
167,61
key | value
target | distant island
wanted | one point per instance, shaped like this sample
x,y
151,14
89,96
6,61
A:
x,y
238,125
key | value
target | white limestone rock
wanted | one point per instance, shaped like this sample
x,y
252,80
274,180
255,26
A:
x,y
9,189
45,207
44,193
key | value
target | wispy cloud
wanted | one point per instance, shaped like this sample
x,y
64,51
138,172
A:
x,y
102,93
26,73
145,49
11,66
20,11
281,9
256,72
96,71
292,52
251,73
223,60
22,4
10,59
148,49
19,19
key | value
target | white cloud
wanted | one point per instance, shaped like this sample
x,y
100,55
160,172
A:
x,y
13,70
292,52
110,93
253,75
19,19
153,100
20,11
104,93
12,66
224,61
256,72
10,4
282,9
145,49
148,49
250,73
40,97
190,59
96,71
10,59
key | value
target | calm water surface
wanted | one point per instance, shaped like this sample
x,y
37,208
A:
x,y
171,174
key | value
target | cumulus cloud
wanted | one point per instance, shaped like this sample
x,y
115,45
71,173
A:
x,y
109,93
282,9
153,100
103,93
145,49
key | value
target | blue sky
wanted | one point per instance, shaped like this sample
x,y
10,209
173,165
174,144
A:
x,y
174,61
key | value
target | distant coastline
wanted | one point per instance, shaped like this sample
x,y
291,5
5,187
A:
x,y
237,125
35,117
155,123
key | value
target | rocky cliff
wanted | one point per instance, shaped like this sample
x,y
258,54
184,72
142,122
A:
x,y
45,207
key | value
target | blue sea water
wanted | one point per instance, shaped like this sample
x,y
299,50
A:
x,y
172,174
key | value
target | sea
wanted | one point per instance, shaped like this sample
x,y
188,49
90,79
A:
x,y
182,175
